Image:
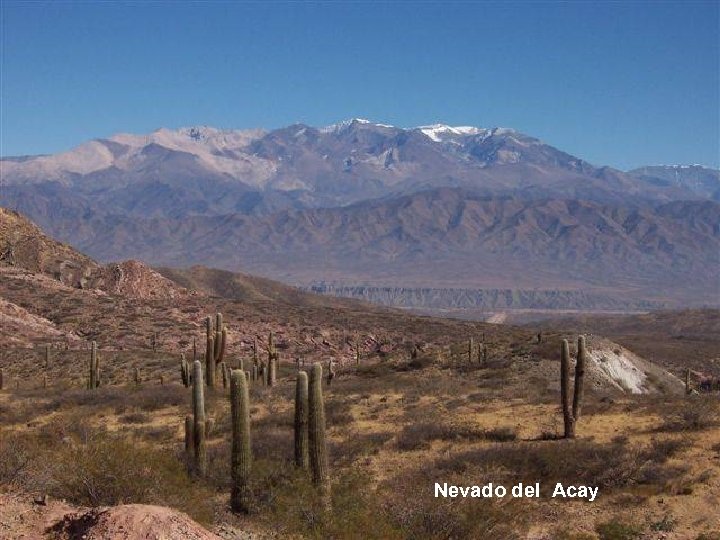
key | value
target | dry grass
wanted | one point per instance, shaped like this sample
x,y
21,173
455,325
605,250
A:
x,y
393,431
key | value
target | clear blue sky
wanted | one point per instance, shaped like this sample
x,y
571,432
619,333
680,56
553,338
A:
x,y
620,83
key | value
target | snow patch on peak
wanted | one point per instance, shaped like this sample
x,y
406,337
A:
x,y
345,124
442,132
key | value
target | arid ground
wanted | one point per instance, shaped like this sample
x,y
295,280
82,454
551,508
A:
x,y
413,410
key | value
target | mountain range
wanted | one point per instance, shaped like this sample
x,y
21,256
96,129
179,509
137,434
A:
x,y
465,212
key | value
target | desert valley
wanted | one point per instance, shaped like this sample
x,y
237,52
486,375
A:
x,y
360,270
412,401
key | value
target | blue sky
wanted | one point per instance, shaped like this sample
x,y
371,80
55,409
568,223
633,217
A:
x,y
620,83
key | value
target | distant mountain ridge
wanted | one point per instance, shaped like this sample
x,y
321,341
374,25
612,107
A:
x,y
362,203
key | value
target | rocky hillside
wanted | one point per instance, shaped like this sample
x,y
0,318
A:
x,y
445,238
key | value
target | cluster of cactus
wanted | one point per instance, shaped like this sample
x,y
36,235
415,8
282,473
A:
x,y
310,439
216,340
94,380
571,411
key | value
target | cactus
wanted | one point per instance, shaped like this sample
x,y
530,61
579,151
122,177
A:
x,y
539,337
331,372
571,412
93,383
200,451
47,356
471,348
688,387
241,459
579,378
255,372
302,459
565,390
220,344
316,434
189,444
484,354
357,353
184,371
218,335
210,357
137,376
2,379
224,375
255,350
272,372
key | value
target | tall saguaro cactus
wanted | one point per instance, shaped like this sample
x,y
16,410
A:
x,y
220,344
331,371
93,366
241,459
189,439
579,377
215,343
209,353
471,348
571,411
184,371
316,435
200,451
565,389
302,458
2,379
272,371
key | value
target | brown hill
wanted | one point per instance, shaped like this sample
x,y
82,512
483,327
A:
x,y
129,305
23,245
445,238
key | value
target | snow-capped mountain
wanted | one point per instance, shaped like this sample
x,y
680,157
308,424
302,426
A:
x,y
429,205
339,164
